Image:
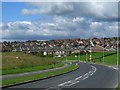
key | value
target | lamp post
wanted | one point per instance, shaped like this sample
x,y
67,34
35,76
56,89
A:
x,y
118,59
90,53
76,57
79,55
103,50
66,52
86,56
66,55
118,52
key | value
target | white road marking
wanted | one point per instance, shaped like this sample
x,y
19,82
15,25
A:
x,y
69,83
78,78
86,74
72,83
91,74
113,67
47,89
64,83
94,70
83,77
52,88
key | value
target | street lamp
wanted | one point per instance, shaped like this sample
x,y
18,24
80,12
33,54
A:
x,y
90,50
90,54
66,55
76,56
86,56
79,55
103,51
118,52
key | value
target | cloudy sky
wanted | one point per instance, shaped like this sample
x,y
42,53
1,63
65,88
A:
x,y
58,20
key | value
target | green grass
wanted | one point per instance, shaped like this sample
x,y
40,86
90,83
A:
x,y
9,60
38,76
26,63
118,88
30,69
111,60
97,56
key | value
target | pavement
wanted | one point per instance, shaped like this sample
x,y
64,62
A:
x,y
87,76
32,73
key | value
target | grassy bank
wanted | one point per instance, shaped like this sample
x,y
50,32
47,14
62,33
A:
x,y
19,62
30,69
118,88
39,76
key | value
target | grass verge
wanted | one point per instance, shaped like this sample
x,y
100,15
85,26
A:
x,y
38,76
118,88
30,69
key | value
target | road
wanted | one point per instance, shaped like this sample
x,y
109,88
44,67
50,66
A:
x,y
87,76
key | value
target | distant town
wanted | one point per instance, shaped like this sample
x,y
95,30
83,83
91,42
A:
x,y
62,45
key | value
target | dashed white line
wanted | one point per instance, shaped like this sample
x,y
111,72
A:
x,y
91,74
64,83
83,77
85,74
69,83
78,78
72,83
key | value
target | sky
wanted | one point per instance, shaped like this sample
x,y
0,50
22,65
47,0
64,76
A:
x,y
58,20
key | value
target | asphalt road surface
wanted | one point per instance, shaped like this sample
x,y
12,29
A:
x,y
87,76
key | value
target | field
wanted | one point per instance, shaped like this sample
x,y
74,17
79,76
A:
x,y
109,58
18,62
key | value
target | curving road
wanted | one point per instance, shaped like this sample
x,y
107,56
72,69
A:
x,y
87,76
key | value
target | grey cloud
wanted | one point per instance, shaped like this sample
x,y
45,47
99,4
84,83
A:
x,y
100,11
59,27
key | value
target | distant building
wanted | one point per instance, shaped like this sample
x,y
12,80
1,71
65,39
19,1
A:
x,y
97,48
4,48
